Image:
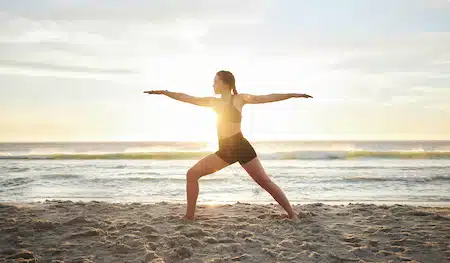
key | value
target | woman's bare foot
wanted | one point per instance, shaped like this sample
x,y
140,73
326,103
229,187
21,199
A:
x,y
303,215
293,217
298,216
188,218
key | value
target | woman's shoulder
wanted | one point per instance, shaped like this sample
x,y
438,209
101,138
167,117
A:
x,y
242,96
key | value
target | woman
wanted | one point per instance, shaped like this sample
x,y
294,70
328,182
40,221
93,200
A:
x,y
233,146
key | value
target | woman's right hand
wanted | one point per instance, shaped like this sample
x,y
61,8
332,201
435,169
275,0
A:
x,y
156,92
301,95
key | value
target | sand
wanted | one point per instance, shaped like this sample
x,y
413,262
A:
x,y
65,231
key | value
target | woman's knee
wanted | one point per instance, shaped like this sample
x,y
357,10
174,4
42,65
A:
x,y
192,175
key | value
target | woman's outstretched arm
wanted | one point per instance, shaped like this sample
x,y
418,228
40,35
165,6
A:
x,y
255,99
199,101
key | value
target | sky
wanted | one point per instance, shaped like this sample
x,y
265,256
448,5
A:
x,y
76,70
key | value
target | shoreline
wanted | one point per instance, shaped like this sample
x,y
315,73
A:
x,y
442,204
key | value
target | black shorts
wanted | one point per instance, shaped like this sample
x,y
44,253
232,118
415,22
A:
x,y
236,149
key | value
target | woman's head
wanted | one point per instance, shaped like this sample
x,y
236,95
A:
x,y
224,82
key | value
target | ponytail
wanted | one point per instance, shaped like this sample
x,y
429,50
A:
x,y
234,90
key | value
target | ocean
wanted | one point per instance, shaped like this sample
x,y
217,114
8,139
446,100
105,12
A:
x,y
404,172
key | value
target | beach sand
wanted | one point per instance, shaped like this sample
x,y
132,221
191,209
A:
x,y
65,231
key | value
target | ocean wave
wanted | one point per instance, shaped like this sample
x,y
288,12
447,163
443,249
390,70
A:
x,y
119,166
17,169
345,155
401,155
152,179
140,179
294,155
61,176
140,173
110,156
15,182
394,178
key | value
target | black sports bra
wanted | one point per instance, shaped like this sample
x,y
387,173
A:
x,y
229,113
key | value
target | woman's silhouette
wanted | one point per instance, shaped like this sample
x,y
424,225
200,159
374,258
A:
x,y
233,146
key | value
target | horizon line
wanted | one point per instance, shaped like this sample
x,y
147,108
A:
x,y
173,141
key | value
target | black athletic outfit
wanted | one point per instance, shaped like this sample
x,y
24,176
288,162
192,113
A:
x,y
235,148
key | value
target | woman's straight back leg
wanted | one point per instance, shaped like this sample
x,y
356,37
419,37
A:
x,y
257,172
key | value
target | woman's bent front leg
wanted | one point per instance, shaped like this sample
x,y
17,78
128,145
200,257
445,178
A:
x,y
208,165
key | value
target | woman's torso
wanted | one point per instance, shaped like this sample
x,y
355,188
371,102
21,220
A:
x,y
229,117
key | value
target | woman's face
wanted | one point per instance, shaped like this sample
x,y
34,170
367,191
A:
x,y
219,86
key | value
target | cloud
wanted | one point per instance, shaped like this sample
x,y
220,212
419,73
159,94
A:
x,y
441,4
422,52
151,37
397,69
93,35
160,11
71,68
